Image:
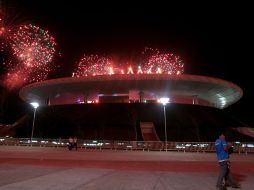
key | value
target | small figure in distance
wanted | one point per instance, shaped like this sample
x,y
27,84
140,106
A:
x,y
75,143
70,143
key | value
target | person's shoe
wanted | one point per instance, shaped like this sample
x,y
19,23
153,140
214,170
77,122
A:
x,y
236,186
221,188
233,185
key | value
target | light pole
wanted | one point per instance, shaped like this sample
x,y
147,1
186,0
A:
x,y
164,101
35,106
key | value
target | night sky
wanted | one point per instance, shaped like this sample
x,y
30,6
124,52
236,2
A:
x,y
212,39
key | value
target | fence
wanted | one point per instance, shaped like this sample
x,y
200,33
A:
x,y
239,147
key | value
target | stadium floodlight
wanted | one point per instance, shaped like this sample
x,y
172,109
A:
x,y
164,102
35,106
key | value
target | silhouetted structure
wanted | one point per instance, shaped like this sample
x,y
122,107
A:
x,y
113,122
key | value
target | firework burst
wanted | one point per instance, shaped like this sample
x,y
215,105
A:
x,y
33,49
2,28
33,46
161,63
4,31
152,62
8,21
2,22
91,65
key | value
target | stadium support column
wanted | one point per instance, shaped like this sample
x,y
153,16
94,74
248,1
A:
x,y
47,101
141,96
195,99
85,97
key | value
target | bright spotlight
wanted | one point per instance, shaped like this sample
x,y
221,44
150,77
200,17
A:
x,y
164,101
35,104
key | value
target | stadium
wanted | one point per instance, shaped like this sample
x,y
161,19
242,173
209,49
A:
x,y
127,107
109,100
143,88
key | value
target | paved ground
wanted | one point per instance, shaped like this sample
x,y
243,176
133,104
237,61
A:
x,y
59,169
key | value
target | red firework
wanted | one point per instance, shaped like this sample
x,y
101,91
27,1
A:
x,y
91,65
33,49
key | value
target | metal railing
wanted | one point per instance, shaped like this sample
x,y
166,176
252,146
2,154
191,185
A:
x,y
239,147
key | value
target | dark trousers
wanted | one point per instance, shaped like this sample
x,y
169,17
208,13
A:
x,y
70,146
75,145
225,174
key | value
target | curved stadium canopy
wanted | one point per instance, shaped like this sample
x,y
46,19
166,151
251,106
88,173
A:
x,y
185,89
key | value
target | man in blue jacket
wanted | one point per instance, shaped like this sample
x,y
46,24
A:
x,y
222,148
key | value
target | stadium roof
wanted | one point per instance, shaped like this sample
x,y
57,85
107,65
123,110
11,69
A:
x,y
217,92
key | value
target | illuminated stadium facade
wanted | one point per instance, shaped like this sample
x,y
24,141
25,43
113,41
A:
x,y
99,79
124,107
134,88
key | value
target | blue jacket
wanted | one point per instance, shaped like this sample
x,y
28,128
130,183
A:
x,y
222,154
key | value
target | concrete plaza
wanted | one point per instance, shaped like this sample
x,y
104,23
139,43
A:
x,y
24,167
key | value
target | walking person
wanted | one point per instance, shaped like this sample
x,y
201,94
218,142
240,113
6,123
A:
x,y
222,151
